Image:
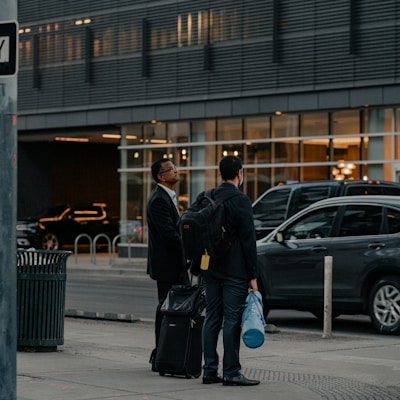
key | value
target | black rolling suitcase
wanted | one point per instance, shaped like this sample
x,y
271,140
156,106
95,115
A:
x,y
179,350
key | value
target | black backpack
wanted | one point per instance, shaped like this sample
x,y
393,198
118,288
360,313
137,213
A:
x,y
203,229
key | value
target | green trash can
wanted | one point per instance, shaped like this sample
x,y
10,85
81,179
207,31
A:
x,y
41,281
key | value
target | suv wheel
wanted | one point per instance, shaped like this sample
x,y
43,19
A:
x,y
50,241
384,305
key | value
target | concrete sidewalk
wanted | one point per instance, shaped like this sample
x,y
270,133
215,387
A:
x,y
103,360
109,360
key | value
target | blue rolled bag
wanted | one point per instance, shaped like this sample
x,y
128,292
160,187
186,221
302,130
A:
x,y
253,321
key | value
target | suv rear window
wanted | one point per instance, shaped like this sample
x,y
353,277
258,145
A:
x,y
372,190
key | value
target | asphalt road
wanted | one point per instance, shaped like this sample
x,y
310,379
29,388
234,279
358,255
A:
x,y
127,295
123,295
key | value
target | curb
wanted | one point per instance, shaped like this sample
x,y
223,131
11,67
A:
x,y
113,271
102,316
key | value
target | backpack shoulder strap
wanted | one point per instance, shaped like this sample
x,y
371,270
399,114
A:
x,y
226,197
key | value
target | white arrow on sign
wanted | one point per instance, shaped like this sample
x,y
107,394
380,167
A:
x,y
4,49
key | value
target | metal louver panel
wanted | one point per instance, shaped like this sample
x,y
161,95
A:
x,y
319,44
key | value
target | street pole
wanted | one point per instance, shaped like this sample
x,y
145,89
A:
x,y
8,190
327,334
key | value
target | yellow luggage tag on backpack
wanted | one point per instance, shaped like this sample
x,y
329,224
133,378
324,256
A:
x,y
205,260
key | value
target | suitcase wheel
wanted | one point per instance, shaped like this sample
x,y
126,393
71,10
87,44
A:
x,y
162,373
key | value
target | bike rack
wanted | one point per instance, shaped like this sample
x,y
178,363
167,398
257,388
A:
x,y
76,246
111,247
101,235
128,244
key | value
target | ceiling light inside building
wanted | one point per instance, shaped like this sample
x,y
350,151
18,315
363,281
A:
x,y
117,136
70,139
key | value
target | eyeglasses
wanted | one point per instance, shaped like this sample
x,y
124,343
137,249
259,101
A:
x,y
164,171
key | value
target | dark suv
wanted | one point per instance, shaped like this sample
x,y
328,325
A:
x,y
60,225
281,202
362,235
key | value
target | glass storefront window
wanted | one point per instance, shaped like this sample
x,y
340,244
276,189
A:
x,y
256,181
314,173
257,127
285,126
314,124
156,133
315,149
277,148
203,131
347,148
380,147
255,130
132,224
131,135
286,174
345,122
397,137
286,152
179,132
203,157
229,129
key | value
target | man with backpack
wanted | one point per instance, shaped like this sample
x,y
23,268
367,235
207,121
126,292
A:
x,y
228,279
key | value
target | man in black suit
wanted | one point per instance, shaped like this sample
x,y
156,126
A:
x,y
165,261
228,280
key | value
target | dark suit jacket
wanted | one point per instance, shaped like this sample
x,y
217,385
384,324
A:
x,y
165,261
241,260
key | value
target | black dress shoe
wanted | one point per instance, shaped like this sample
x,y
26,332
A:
x,y
211,379
239,380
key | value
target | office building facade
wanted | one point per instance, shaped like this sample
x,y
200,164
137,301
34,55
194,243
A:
x,y
300,90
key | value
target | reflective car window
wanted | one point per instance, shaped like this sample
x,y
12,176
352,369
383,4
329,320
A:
x,y
361,220
272,207
393,220
310,195
315,225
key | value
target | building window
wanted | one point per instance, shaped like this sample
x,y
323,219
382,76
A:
x,y
346,144
257,150
274,148
286,150
314,127
397,137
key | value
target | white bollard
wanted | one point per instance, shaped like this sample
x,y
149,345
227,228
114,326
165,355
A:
x,y
327,297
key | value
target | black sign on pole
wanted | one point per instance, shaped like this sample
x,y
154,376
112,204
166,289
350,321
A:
x,y
8,48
